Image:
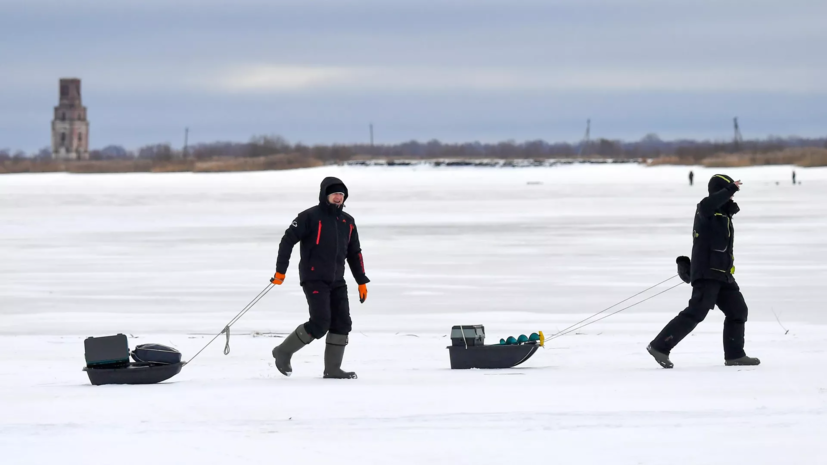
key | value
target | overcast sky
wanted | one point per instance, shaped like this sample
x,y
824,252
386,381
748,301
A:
x,y
319,71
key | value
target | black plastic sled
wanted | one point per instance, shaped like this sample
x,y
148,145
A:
x,y
468,349
134,373
490,356
107,361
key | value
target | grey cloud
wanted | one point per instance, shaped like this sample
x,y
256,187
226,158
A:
x,y
432,58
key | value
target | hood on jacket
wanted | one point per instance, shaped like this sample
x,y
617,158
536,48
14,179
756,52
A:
x,y
330,185
718,182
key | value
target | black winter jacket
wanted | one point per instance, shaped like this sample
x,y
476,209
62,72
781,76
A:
x,y
713,235
328,237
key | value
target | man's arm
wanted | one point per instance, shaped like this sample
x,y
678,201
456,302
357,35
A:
x,y
354,257
709,205
296,232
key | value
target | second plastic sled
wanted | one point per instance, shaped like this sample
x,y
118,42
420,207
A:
x,y
135,373
490,356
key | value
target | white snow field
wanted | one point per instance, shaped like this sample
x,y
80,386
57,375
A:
x,y
171,258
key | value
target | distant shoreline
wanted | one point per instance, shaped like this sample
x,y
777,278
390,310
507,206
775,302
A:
x,y
276,162
218,165
802,157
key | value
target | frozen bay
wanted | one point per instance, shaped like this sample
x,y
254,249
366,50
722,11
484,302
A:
x,y
170,258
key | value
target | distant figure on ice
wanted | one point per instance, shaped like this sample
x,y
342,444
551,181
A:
x,y
793,177
691,177
328,237
710,273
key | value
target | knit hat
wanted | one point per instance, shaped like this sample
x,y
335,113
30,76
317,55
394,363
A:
x,y
335,188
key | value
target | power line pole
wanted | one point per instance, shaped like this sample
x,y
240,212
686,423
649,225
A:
x,y
371,134
737,140
186,141
586,138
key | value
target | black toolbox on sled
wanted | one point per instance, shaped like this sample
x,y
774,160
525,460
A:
x,y
468,335
106,352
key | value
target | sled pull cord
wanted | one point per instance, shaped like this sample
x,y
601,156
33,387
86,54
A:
x,y
578,325
226,329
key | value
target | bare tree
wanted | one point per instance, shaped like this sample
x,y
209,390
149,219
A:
x,y
157,152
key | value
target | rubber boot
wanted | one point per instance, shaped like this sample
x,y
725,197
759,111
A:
x,y
291,344
660,357
334,352
742,361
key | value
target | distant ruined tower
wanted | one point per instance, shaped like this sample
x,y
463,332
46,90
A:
x,y
70,129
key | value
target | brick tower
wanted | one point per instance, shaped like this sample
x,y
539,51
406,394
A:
x,y
70,129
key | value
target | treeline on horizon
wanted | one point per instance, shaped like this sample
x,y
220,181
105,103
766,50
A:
x,y
650,147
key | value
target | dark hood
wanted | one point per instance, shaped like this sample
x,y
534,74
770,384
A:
x,y
328,182
718,182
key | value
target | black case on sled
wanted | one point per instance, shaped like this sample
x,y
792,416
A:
x,y
468,335
106,352
156,353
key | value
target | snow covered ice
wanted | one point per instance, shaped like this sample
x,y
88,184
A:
x,y
170,258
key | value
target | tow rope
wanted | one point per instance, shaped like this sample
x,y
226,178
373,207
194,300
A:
x,y
226,329
585,322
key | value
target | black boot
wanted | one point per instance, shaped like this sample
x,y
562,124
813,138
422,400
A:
x,y
742,361
291,344
334,352
660,357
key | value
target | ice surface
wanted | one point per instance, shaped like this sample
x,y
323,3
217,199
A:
x,y
170,258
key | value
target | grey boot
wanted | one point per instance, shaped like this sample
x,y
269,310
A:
x,y
292,343
660,357
742,361
334,352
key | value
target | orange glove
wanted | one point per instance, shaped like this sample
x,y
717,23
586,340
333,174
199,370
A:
x,y
363,293
277,279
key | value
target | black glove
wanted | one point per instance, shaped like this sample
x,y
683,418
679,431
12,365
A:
x,y
731,208
684,265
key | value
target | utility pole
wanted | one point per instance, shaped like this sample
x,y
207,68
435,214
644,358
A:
x,y
186,140
371,134
737,140
585,142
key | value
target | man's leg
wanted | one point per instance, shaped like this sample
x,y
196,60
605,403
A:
x,y
318,299
337,338
731,302
704,294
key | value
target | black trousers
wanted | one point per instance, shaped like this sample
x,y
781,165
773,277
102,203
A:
x,y
329,308
705,295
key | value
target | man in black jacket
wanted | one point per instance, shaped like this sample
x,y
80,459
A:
x,y
328,238
710,273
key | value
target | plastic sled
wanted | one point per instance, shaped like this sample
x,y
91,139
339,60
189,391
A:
x,y
490,356
135,373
